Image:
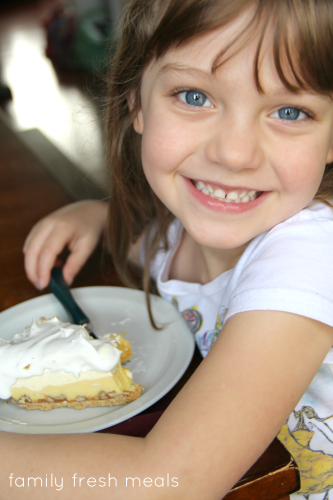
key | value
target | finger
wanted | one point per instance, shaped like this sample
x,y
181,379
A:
x,y
32,248
77,258
29,237
49,252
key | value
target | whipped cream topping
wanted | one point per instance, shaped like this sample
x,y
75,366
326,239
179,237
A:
x,y
52,346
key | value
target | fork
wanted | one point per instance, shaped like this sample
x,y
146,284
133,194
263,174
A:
x,y
60,289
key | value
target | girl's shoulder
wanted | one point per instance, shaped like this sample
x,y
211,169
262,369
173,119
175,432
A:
x,y
289,268
313,221
317,211
307,234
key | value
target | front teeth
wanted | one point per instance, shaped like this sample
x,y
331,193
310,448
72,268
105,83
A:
x,y
231,197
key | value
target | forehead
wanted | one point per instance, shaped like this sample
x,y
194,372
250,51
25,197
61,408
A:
x,y
271,51
205,48
299,35
200,57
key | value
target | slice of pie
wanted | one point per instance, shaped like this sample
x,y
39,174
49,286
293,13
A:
x,y
53,365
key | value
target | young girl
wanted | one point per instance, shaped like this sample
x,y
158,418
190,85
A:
x,y
220,126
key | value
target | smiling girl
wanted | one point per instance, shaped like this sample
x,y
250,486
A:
x,y
220,133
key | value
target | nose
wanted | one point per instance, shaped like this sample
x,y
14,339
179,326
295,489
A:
x,y
235,144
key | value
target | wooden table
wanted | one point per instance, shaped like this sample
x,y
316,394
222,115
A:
x,y
27,193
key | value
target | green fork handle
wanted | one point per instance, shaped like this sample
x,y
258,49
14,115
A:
x,y
60,289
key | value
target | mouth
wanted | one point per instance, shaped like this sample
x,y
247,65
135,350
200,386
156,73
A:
x,y
227,195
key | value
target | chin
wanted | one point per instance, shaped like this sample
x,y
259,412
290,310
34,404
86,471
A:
x,y
218,242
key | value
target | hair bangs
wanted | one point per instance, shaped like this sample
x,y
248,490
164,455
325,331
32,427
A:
x,y
301,46
184,19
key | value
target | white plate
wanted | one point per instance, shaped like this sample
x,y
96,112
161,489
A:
x,y
159,357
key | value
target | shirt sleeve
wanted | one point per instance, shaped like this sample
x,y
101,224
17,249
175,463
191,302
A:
x,y
290,270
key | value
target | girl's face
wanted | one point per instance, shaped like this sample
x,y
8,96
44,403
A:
x,y
227,161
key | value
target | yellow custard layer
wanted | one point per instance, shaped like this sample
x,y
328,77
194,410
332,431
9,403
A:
x,y
89,384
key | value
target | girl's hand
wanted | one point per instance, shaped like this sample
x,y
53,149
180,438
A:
x,y
78,226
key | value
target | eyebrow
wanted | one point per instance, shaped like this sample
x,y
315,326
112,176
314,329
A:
x,y
195,72
181,69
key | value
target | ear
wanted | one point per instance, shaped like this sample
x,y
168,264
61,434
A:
x,y
137,121
137,118
330,155
329,158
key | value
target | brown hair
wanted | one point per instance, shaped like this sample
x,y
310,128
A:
x,y
303,56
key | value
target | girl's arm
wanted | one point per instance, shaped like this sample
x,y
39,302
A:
x,y
78,226
218,425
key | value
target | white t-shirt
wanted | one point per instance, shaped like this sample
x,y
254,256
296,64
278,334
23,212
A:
x,y
288,268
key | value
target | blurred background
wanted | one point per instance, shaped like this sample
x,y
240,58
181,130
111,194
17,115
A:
x,y
53,59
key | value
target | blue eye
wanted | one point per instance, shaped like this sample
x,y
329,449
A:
x,y
290,114
195,98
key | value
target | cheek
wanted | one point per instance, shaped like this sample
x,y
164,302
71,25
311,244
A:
x,y
163,146
301,169
154,153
